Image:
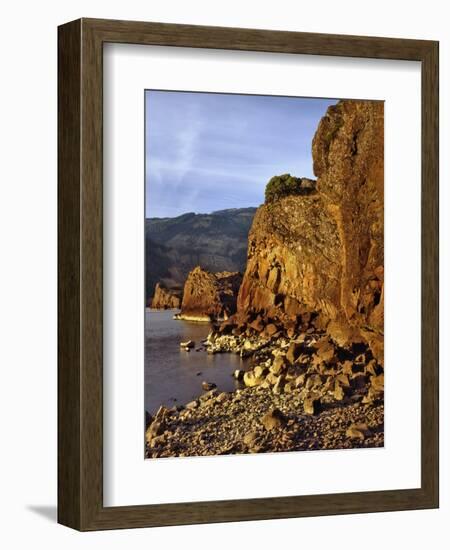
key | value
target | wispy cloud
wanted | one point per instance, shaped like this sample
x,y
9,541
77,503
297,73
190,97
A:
x,y
207,152
187,140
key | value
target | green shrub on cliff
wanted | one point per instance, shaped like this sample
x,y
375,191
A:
x,y
281,186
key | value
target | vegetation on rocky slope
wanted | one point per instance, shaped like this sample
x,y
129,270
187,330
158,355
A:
x,y
285,185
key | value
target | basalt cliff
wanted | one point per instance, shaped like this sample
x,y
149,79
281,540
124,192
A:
x,y
320,251
209,296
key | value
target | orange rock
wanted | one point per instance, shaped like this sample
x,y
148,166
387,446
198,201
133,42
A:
x,y
322,252
210,295
164,298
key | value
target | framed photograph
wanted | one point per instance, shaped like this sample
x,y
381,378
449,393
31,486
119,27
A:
x,y
248,274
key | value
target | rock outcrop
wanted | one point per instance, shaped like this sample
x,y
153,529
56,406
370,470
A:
x,y
209,296
174,246
164,298
321,252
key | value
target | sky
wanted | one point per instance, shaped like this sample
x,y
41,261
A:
x,y
208,152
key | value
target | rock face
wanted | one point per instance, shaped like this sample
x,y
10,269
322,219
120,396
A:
x,y
164,298
321,252
210,296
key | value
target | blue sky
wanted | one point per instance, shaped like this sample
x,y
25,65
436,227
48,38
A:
x,y
207,152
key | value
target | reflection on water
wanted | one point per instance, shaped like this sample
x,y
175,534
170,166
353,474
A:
x,y
171,374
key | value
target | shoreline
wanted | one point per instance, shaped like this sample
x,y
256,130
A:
x,y
158,309
192,318
300,393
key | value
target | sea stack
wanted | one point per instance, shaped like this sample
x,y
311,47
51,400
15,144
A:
x,y
164,298
209,296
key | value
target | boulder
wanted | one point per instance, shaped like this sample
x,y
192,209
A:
x,y
188,344
271,378
156,428
372,368
338,392
270,330
273,419
157,440
257,324
279,385
250,380
222,397
260,371
347,368
311,405
289,387
208,386
324,351
377,383
250,439
357,431
278,365
293,352
343,380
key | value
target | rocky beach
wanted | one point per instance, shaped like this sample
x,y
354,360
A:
x,y
307,314
300,393
256,421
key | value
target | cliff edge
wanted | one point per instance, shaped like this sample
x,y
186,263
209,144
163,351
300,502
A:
x,y
321,251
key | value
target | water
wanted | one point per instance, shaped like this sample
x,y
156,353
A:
x,y
170,372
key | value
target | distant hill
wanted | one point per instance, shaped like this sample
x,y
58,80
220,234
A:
x,y
174,246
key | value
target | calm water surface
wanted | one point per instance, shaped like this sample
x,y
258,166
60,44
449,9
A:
x,y
171,374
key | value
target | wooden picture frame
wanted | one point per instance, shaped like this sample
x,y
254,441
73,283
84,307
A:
x,y
80,272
